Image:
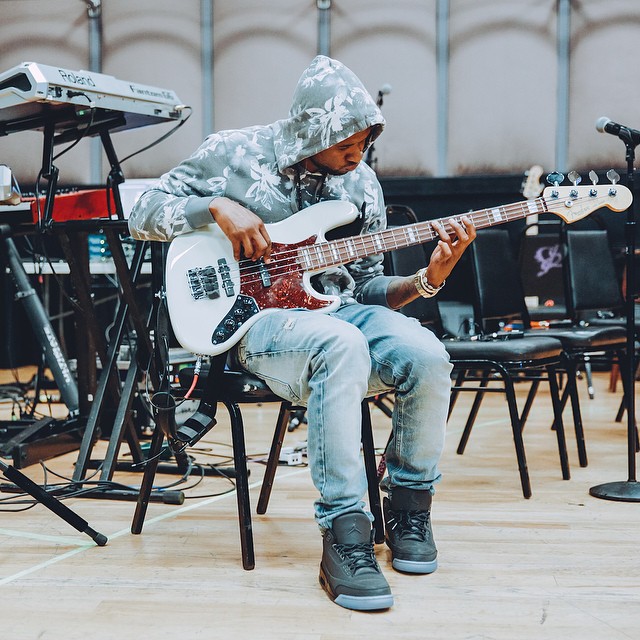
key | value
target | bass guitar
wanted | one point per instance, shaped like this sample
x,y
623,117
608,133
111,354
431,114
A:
x,y
214,299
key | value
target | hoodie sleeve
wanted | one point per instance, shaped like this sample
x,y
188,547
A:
x,y
179,203
371,283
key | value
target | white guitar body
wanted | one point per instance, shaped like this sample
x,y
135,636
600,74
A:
x,y
212,309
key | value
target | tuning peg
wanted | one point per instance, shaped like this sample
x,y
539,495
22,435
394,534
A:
x,y
613,176
593,176
555,178
574,178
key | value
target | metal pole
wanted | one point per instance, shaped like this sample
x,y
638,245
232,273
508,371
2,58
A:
x,y
206,53
324,27
94,12
563,50
442,79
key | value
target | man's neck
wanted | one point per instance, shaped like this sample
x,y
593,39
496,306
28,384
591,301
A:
x,y
310,166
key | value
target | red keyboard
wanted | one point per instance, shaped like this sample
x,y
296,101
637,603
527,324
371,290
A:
x,y
89,204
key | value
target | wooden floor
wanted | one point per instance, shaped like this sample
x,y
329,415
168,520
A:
x,y
561,565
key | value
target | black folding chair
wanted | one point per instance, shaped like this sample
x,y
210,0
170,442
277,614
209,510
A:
x,y
217,384
499,300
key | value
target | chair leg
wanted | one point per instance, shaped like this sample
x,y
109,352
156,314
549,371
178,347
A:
x,y
371,470
454,392
516,428
147,481
558,422
622,364
477,401
613,377
274,457
533,390
572,390
622,359
589,376
383,403
621,409
242,485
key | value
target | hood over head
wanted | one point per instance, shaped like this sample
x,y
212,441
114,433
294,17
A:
x,y
329,105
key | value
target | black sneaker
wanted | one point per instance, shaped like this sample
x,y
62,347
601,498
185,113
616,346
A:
x,y
349,572
407,518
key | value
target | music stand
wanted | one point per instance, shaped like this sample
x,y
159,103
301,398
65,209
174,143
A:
x,y
627,490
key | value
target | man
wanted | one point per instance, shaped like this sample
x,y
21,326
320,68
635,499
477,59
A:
x,y
329,363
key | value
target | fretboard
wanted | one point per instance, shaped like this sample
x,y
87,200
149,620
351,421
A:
x,y
322,255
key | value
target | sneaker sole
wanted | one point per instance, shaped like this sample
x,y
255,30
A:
x,y
357,603
412,566
370,603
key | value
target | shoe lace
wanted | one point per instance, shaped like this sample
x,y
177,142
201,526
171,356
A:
x,y
410,525
357,557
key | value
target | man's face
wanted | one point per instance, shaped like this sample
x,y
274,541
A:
x,y
342,157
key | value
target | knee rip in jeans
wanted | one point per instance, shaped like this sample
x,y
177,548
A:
x,y
287,325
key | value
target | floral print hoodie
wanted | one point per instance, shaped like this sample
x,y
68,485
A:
x,y
259,167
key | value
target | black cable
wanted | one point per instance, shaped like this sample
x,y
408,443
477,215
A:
x,y
84,131
161,138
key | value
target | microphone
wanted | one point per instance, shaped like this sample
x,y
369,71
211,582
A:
x,y
604,125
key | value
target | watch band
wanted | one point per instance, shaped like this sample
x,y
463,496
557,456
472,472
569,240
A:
x,y
423,286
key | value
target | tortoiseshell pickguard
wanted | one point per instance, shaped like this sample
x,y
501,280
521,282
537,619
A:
x,y
286,289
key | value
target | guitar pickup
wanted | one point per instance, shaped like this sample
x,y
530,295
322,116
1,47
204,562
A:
x,y
225,274
264,274
203,283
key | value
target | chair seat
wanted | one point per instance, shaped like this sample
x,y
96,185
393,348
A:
x,y
614,322
584,338
505,351
237,386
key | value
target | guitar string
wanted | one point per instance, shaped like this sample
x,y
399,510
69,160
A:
x,y
423,231
288,260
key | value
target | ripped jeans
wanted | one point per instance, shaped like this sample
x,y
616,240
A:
x,y
330,363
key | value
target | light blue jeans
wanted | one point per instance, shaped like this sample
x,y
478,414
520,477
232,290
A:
x,y
330,363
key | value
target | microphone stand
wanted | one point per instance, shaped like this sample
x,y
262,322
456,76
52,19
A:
x,y
627,490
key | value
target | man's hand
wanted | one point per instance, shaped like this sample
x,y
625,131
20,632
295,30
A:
x,y
449,249
244,228
444,257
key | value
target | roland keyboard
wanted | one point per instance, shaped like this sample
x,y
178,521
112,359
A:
x,y
34,95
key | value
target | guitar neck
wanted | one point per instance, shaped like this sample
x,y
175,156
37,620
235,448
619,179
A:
x,y
322,255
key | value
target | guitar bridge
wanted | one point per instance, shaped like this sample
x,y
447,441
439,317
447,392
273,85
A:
x,y
203,283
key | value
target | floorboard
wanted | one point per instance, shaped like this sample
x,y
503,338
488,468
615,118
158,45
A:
x,y
561,565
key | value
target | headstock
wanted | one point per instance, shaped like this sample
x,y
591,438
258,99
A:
x,y
532,187
572,203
